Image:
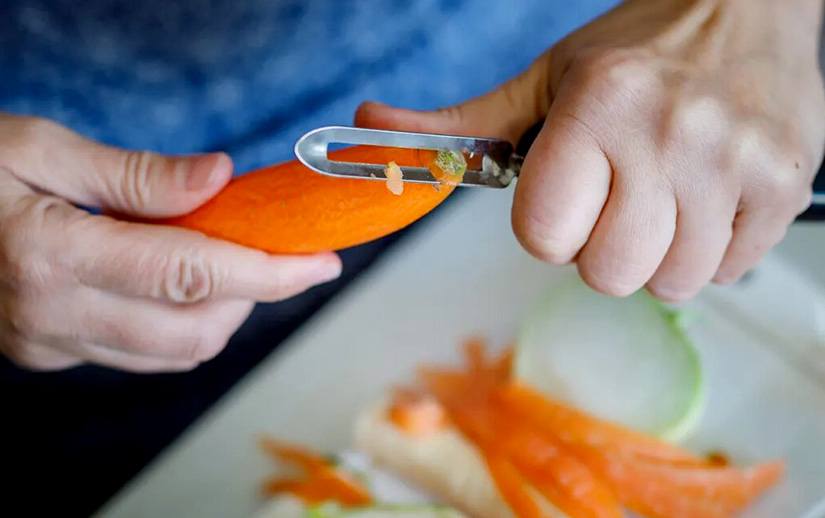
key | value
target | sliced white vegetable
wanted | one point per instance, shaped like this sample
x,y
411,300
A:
x,y
626,360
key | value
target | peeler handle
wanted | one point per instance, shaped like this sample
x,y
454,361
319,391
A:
x,y
816,212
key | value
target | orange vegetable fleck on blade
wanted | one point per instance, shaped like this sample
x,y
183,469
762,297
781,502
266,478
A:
x,y
395,182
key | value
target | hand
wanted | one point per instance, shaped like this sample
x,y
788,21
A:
x,y
76,288
681,139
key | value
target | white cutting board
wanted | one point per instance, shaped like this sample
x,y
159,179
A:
x,y
465,274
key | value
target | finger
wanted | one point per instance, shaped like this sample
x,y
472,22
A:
x,y
755,232
561,191
116,359
36,356
506,112
141,183
632,235
192,333
184,266
703,230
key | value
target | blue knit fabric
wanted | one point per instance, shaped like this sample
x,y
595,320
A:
x,y
250,76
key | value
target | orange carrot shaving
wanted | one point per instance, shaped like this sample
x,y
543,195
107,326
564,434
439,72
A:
x,y
512,486
321,481
416,413
576,427
584,466
559,476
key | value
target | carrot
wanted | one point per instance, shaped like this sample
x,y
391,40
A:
x,y
289,209
321,481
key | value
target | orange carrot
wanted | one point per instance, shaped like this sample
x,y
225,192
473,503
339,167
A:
x,y
289,209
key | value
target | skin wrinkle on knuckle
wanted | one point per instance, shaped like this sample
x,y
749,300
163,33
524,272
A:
x,y
188,277
135,189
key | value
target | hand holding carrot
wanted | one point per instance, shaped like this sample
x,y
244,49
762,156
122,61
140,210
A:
x,y
76,288
680,140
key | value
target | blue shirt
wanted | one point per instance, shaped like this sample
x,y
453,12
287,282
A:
x,y
248,77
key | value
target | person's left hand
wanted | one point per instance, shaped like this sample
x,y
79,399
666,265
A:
x,y
680,140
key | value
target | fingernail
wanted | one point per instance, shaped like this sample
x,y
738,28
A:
x,y
204,170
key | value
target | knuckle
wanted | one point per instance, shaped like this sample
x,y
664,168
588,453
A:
x,y
136,186
545,241
611,72
697,121
19,352
608,283
23,318
26,260
188,277
805,199
782,177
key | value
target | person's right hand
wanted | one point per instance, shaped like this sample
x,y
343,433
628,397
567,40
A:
x,y
76,287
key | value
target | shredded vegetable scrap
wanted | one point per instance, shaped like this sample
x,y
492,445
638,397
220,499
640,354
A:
x,y
583,465
319,482
449,167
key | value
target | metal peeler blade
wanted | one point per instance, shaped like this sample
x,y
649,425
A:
x,y
499,163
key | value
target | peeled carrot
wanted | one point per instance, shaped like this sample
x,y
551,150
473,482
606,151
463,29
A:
x,y
289,209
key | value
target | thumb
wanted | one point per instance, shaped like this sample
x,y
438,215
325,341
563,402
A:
x,y
146,184
505,113
57,160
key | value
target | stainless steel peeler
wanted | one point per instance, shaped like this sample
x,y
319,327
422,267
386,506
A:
x,y
500,163
497,167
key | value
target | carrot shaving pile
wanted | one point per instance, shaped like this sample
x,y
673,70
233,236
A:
x,y
586,467
320,481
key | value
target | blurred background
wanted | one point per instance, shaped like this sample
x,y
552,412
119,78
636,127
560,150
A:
x,y
247,78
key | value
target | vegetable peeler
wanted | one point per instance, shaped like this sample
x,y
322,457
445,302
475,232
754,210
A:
x,y
492,162
499,162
